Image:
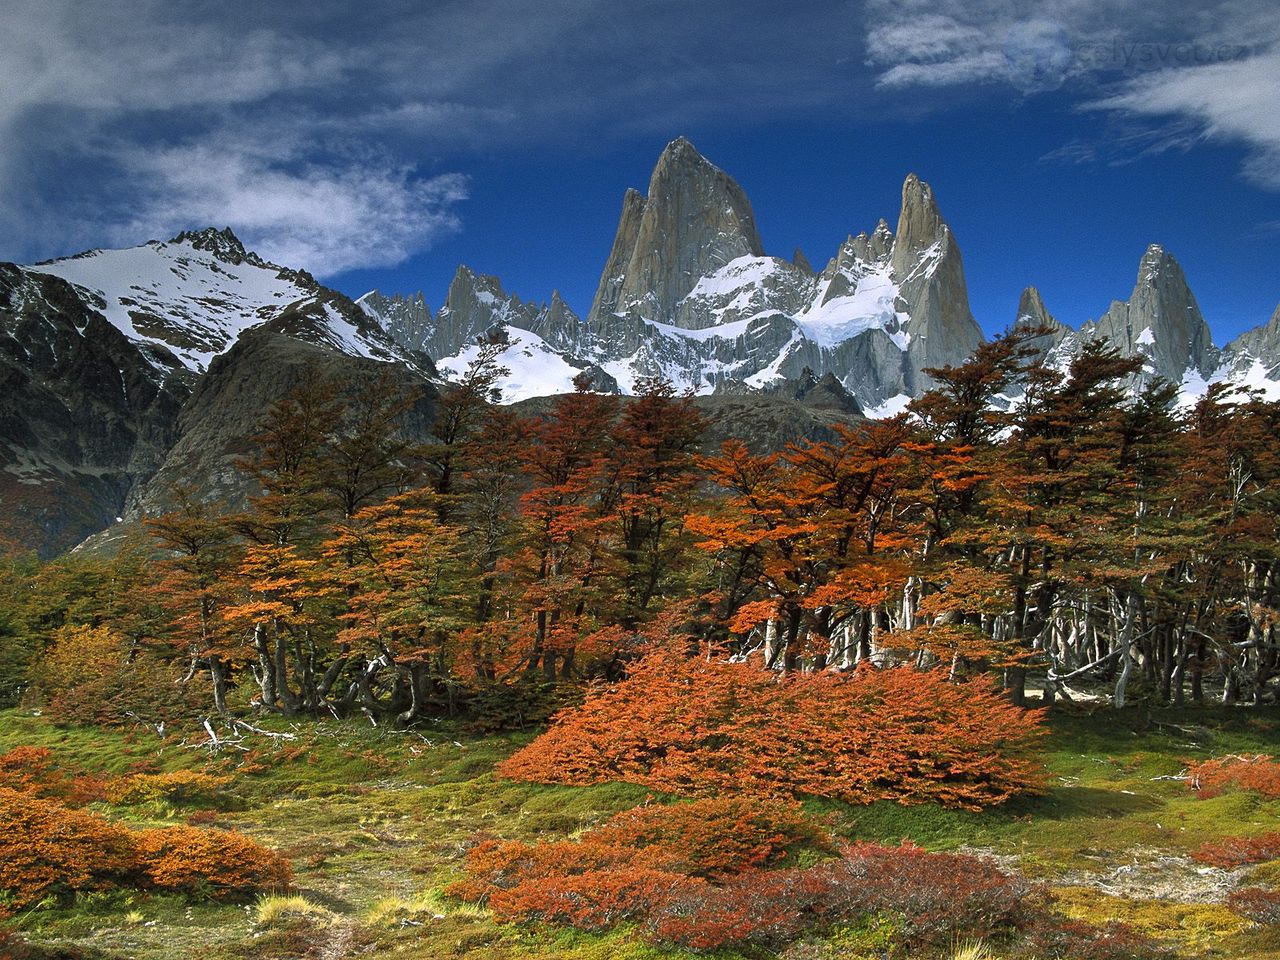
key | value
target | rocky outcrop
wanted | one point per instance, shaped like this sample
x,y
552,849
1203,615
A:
x,y
930,275
226,409
688,294
1256,353
406,319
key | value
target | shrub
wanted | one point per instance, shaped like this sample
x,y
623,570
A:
x,y
1056,939
1259,774
1256,904
94,675
180,787
937,898
691,727
47,849
715,837
684,875
1240,851
222,864
32,770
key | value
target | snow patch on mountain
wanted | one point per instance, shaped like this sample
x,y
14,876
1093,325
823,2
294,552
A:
x,y
189,298
534,368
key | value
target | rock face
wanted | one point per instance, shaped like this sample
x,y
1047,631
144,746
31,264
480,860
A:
x,y
1160,322
1253,358
85,415
687,293
185,300
224,411
694,220
406,319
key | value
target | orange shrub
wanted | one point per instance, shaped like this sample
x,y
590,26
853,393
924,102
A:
x,y
221,864
47,849
696,875
715,837
32,770
691,727
1240,851
1260,774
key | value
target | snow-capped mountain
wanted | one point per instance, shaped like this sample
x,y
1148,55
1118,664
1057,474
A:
x,y
1161,322
688,293
185,301
127,371
102,355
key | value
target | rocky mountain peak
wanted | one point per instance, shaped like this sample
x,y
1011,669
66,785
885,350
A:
x,y
1160,321
920,224
1032,312
223,244
695,219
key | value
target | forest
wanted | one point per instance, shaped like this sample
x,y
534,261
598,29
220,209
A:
x,y
734,654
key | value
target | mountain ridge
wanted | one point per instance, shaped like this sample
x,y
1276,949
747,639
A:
x,y
127,370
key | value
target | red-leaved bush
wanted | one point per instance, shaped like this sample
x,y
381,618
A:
x,y
1061,939
1240,851
696,875
691,727
937,897
47,849
32,770
1259,774
224,865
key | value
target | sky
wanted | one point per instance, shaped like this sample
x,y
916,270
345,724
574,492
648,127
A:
x,y
382,144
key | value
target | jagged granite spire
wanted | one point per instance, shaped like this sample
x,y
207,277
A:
x,y
406,319
1160,321
694,220
930,275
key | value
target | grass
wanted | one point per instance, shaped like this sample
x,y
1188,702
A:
x,y
376,822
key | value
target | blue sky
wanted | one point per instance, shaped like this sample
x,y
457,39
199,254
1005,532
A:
x,y
382,144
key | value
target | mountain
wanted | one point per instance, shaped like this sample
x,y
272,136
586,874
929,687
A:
x,y
84,414
688,293
1252,360
184,301
1161,322
128,371
102,356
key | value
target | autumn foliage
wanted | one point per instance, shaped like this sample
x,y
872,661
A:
x,y
221,864
1259,774
1240,851
695,727
712,873
1256,903
49,849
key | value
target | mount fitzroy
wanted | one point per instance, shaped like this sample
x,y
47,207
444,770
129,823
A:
x,y
127,371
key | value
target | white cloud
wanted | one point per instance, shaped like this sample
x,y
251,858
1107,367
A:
x,y
326,218
1174,74
1233,101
